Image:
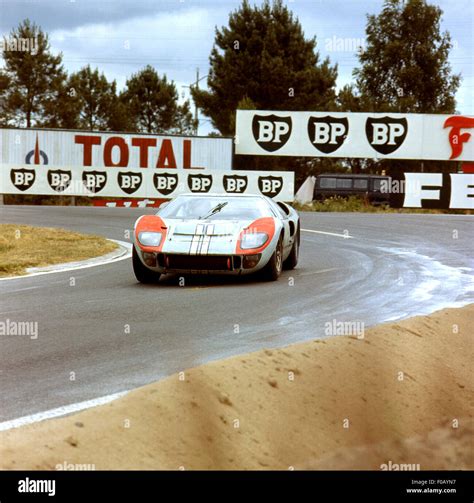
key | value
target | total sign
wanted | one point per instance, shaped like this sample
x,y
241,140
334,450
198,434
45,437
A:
x,y
355,135
80,149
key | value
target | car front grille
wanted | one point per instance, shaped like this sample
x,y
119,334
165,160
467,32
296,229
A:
x,y
197,262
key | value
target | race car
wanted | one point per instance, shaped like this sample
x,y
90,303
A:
x,y
216,234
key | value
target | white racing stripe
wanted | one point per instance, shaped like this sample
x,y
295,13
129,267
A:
x,y
206,240
59,411
345,236
196,241
85,264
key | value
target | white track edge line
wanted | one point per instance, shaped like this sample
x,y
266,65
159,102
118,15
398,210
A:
x,y
59,411
345,236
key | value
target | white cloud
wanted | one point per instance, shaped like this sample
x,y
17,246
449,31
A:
x,y
176,37
175,43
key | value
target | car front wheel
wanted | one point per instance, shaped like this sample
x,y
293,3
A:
x,y
142,273
272,271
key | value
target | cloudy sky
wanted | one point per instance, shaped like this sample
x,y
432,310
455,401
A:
x,y
175,36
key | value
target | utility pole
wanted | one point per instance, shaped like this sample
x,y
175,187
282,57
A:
x,y
196,118
196,110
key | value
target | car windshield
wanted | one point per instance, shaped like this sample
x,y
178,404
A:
x,y
218,207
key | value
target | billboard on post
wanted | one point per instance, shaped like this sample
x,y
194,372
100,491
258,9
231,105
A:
x,y
118,165
82,149
355,135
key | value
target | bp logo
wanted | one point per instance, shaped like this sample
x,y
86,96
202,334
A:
x,y
94,181
236,184
327,133
23,179
165,183
129,181
386,134
59,180
199,183
271,132
36,155
270,185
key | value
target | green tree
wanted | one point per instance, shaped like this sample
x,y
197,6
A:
x,y
183,122
34,75
4,87
119,116
262,56
62,112
404,66
348,100
92,98
152,102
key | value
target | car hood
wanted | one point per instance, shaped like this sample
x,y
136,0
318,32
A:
x,y
219,236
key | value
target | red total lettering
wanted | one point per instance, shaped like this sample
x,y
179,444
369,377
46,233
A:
x,y
143,144
87,141
187,154
166,158
116,141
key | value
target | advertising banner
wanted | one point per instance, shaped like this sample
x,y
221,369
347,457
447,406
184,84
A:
x,y
355,135
142,183
81,149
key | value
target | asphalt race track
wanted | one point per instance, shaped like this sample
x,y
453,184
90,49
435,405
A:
x,y
392,267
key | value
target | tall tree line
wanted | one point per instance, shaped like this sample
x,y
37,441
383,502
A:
x,y
262,60
36,91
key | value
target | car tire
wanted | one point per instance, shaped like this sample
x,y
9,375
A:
x,y
142,273
292,259
272,271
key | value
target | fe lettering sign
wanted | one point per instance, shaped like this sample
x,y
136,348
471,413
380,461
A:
x,y
439,191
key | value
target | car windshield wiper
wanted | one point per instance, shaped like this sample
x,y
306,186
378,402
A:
x,y
214,210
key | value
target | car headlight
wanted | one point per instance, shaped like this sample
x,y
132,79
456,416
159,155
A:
x,y
149,238
253,240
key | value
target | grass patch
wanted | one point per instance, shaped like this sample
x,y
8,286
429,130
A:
x,y
24,246
359,205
